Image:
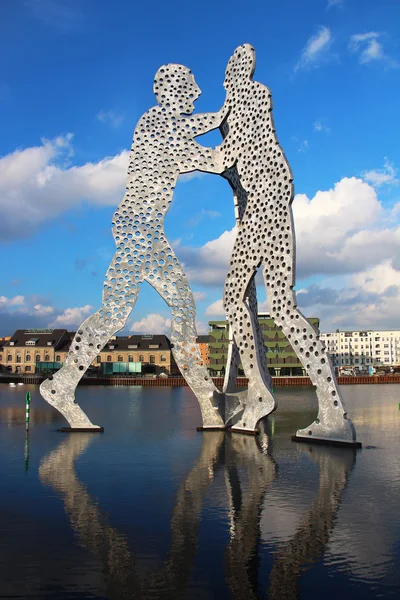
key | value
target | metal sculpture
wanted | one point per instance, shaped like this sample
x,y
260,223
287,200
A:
x,y
259,173
253,162
163,148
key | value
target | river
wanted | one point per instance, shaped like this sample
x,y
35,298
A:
x,y
151,508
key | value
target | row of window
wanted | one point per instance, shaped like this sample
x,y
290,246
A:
x,y
28,358
163,358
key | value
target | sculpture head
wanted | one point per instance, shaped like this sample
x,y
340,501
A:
x,y
240,67
176,89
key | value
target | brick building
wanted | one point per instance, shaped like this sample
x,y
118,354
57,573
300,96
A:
x,y
202,342
45,350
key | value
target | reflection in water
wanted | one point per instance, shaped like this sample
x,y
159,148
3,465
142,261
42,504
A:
x,y
96,535
312,535
26,451
16,415
248,474
249,471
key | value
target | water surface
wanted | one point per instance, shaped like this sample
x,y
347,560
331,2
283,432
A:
x,y
154,509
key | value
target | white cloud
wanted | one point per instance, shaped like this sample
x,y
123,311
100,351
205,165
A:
x,y
202,328
215,309
190,176
38,183
16,301
110,117
153,323
199,296
22,312
369,49
208,264
320,127
72,316
338,231
369,299
303,146
43,310
316,49
378,177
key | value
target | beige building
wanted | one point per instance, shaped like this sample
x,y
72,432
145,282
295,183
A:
x,y
363,349
43,350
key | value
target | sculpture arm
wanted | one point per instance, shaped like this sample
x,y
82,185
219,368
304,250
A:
x,y
204,122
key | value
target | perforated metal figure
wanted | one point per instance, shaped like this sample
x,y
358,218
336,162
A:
x,y
163,147
263,184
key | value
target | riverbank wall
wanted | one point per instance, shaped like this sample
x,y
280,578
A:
x,y
180,381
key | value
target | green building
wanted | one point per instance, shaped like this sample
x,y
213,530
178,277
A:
x,y
281,358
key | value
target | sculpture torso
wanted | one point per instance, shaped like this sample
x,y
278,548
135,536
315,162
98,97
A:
x,y
163,147
261,164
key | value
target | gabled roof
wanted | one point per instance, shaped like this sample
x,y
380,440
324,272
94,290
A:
x,y
142,342
40,336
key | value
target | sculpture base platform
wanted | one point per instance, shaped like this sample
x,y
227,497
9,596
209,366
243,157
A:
x,y
326,442
82,429
245,431
211,428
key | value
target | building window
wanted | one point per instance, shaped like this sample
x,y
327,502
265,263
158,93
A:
x,y
28,368
141,358
47,358
58,358
18,359
37,359
28,358
163,358
120,358
98,359
18,369
109,358
152,359
9,358
130,358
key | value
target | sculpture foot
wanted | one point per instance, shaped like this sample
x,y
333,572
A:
x,y
254,407
63,400
211,410
338,433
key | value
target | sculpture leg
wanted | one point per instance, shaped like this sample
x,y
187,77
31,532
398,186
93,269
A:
x,y
175,290
240,303
331,423
232,365
92,335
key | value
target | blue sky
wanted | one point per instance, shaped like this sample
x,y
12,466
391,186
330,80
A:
x,y
75,77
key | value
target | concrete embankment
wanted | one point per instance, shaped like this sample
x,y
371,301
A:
x,y
179,381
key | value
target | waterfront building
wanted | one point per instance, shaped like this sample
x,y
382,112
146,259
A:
x,y
363,349
202,342
45,350
281,358
146,354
